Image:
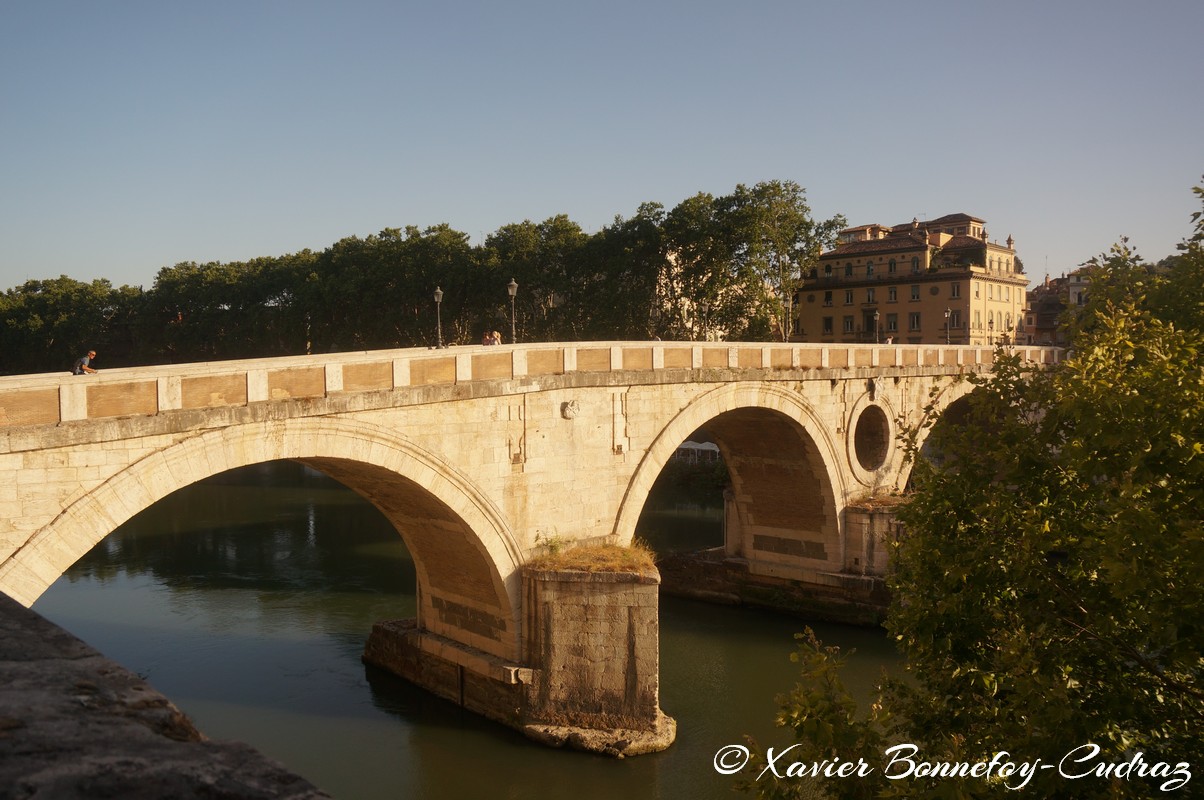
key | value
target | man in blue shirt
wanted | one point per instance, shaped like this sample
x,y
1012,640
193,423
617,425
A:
x,y
84,364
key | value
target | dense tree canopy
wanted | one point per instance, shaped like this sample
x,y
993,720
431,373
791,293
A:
x,y
711,267
1047,592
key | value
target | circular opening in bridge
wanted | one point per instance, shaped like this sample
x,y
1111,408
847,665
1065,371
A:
x,y
871,438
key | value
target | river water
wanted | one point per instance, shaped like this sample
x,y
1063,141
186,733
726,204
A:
x,y
247,599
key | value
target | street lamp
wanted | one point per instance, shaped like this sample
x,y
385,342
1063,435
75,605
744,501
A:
x,y
990,330
512,288
875,326
438,318
947,312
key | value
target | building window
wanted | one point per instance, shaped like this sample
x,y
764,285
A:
x,y
848,297
915,291
915,263
848,324
827,326
955,290
1007,293
976,291
891,267
892,295
892,323
827,270
869,295
869,269
848,270
955,319
913,321
977,320
828,298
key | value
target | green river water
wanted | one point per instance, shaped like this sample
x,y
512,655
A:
x,y
247,599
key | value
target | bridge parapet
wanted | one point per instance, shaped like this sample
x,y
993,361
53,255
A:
x,y
53,398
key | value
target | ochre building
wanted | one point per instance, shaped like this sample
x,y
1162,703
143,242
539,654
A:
x,y
942,280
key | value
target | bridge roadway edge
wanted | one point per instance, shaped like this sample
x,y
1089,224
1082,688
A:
x,y
23,438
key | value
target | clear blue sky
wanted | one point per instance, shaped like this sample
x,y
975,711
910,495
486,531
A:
x,y
136,135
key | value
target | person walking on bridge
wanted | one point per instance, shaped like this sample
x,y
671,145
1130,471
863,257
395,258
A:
x,y
83,364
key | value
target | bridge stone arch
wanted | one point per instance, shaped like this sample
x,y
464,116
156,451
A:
x,y
744,419
466,557
947,401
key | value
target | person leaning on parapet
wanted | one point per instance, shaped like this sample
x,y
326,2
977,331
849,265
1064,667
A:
x,y
497,338
84,364
487,338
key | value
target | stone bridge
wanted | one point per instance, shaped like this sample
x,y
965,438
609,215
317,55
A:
x,y
482,458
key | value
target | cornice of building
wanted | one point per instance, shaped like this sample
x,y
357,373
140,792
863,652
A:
x,y
973,273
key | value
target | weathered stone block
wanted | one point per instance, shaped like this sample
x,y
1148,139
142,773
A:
x,y
369,377
29,407
284,384
123,399
208,391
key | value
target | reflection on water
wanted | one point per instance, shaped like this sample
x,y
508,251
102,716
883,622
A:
x,y
247,599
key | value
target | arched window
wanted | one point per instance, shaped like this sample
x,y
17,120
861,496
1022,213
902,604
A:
x,y
915,263
869,269
891,267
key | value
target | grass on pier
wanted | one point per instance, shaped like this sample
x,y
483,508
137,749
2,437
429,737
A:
x,y
638,557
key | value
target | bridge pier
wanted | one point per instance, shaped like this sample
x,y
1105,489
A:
x,y
590,677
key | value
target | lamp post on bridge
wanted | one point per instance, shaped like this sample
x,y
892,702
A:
x,y
438,319
876,326
947,313
512,288
990,330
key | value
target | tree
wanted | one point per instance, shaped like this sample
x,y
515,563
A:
x,y
779,242
1046,594
619,275
46,324
542,259
714,267
705,293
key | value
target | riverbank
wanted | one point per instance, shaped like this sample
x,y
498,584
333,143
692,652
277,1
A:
x,y
74,724
712,577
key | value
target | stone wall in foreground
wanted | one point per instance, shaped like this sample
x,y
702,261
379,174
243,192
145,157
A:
x,y
74,724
